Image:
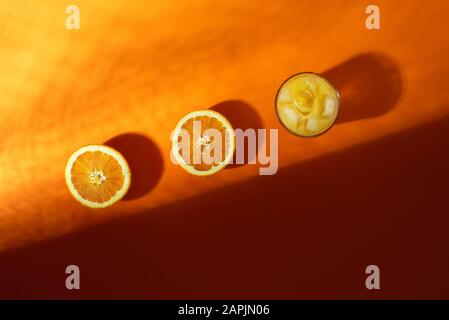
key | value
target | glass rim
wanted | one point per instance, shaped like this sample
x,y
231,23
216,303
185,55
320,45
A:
x,y
337,93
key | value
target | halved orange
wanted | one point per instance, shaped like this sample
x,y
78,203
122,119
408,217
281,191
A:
x,y
203,142
97,176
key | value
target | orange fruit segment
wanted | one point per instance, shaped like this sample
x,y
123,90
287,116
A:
x,y
203,142
97,176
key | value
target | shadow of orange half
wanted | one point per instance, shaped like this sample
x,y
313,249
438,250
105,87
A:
x,y
144,159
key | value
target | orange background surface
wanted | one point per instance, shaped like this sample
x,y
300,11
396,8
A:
x,y
372,190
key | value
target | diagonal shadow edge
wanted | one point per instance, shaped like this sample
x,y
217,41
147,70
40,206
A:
x,y
134,237
218,193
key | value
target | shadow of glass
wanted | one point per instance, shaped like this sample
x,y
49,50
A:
x,y
370,85
242,116
144,159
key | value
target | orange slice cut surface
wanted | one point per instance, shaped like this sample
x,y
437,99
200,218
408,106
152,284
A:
x,y
203,142
97,176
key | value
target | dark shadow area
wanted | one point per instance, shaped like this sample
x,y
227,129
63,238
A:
x,y
370,85
242,116
144,159
307,232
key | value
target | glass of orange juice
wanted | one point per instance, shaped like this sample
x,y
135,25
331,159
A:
x,y
307,104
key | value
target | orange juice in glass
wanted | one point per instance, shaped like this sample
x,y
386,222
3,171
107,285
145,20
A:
x,y
307,104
